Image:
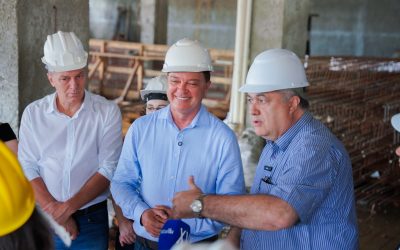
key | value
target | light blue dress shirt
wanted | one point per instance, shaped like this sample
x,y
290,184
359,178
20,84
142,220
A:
x,y
67,151
310,169
157,159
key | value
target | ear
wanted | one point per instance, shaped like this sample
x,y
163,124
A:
x,y
294,103
50,78
208,84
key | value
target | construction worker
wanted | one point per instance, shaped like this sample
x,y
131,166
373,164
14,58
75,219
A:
x,y
70,142
161,150
155,94
21,225
302,194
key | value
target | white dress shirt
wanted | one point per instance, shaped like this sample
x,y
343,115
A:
x,y
67,151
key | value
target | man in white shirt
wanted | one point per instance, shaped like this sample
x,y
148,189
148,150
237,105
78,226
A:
x,y
70,142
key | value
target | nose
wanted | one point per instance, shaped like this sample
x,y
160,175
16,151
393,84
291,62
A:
x,y
74,83
181,87
254,109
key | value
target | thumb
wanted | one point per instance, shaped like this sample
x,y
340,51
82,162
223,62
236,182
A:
x,y
192,185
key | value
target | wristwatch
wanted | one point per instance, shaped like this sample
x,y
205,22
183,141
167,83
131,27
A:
x,y
197,205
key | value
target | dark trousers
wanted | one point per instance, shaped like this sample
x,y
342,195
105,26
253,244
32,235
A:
x,y
92,224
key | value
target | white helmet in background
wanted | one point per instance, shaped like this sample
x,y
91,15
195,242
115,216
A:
x,y
63,51
275,69
395,121
187,56
156,85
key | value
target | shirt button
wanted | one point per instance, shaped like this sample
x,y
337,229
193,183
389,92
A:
x,y
180,143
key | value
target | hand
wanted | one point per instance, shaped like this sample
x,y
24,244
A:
x,y
234,236
71,227
153,219
60,211
126,233
182,201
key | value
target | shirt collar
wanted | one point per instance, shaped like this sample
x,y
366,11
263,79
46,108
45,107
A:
x,y
87,102
283,142
200,119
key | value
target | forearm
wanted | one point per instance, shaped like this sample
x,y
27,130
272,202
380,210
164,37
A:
x,y
95,186
42,194
118,211
123,190
259,212
13,145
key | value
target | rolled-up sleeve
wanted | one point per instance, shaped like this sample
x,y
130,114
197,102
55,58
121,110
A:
x,y
27,149
111,143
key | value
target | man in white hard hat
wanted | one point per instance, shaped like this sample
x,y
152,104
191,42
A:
x,y
162,150
70,142
155,94
302,195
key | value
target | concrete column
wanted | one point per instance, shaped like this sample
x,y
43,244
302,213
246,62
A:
x,y
153,20
8,63
279,24
24,26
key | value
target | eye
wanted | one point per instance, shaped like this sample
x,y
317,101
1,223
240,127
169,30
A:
x,y
262,100
193,83
250,100
174,82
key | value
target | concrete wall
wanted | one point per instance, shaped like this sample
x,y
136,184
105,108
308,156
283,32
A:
x,y
8,63
24,26
355,27
211,22
104,15
48,18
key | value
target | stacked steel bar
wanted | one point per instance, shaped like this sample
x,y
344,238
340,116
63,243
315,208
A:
x,y
356,98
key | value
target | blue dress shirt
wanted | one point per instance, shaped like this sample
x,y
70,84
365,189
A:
x,y
157,159
310,169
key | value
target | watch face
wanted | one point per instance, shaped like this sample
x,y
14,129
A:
x,y
196,206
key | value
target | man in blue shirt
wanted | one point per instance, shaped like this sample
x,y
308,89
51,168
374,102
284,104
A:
x,y
164,149
302,195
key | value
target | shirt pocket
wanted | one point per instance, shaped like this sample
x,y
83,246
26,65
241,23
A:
x,y
267,181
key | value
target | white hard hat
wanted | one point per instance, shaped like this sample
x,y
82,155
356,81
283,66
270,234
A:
x,y
63,51
187,56
157,84
275,69
396,122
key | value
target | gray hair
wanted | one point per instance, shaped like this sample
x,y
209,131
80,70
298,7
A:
x,y
289,93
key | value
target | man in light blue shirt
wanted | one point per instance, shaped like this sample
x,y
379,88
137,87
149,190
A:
x,y
302,195
163,150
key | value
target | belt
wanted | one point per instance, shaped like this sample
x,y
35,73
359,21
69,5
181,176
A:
x,y
208,240
154,245
147,243
91,209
